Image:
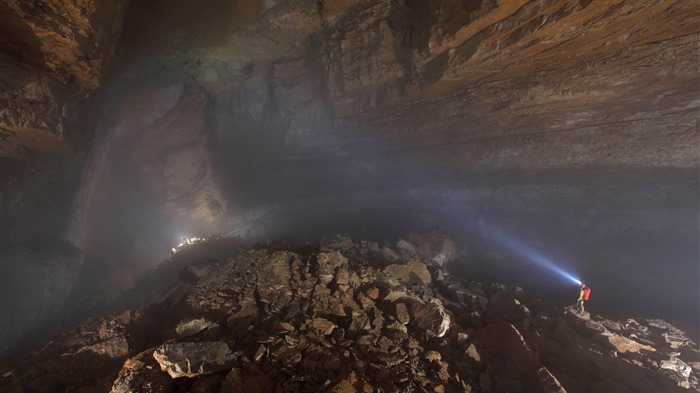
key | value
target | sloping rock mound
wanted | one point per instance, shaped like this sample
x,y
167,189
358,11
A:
x,y
314,318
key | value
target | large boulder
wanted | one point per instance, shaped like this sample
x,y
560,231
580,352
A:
x,y
194,359
412,273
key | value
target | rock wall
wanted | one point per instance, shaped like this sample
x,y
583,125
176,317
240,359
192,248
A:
x,y
54,55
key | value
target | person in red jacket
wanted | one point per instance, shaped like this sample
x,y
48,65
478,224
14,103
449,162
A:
x,y
583,295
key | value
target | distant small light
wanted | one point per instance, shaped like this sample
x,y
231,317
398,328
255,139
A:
x,y
186,241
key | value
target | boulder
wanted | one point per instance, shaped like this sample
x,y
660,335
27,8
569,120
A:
x,y
140,373
114,347
321,326
273,282
402,313
677,365
430,317
624,344
438,250
412,273
194,359
407,252
190,327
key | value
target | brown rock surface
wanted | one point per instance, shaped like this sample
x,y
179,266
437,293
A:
x,y
411,273
193,359
54,54
304,345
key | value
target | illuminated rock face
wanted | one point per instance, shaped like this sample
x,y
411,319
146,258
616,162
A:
x,y
54,55
568,126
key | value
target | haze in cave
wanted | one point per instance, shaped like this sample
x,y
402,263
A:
x,y
533,144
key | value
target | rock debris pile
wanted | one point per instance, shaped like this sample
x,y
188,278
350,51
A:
x,y
346,317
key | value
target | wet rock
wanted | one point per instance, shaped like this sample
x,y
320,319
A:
x,y
194,359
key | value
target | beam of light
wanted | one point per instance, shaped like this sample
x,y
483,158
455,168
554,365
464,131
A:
x,y
546,263
517,247
514,246
474,223
463,216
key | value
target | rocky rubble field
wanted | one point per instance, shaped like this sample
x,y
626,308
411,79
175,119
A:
x,y
353,317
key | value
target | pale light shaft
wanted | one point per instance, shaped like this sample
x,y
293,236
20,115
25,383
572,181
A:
x,y
531,255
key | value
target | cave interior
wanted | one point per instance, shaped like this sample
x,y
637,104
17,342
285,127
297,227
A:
x,y
535,134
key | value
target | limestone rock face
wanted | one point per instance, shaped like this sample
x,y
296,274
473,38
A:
x,y
54,53
72,39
